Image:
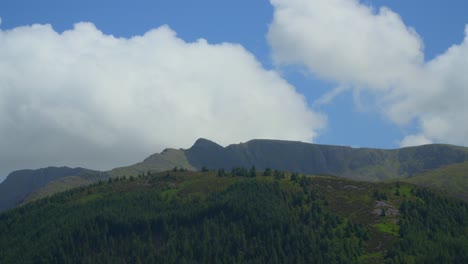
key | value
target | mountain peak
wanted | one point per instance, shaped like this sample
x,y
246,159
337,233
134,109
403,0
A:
x,y
205,143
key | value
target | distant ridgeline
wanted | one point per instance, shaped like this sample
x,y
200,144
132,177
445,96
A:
x,y
446,165
355,163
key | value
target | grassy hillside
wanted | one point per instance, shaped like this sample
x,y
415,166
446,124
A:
x,y
200,217
167,160
84,178
451,179
60,185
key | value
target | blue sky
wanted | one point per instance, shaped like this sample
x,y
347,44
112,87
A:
x,y
439,24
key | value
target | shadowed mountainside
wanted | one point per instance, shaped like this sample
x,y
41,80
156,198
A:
x,y
21,183
356,163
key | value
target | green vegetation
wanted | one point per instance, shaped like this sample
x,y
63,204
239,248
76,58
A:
x,y
222,217
432,230
388,227
167,160
239,219
451,179
59,185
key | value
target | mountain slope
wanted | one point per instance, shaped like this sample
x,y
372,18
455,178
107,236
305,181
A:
x,y
28,185
21,183
84,178
451,179
167,160
356,163
194,217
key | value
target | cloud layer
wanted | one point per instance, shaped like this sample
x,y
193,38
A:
x,y
85,98
374,51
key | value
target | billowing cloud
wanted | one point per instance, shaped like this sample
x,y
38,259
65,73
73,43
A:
x,y
85,98
371,50
414,140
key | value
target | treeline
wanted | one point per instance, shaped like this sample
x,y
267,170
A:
x,y
249,222
251,173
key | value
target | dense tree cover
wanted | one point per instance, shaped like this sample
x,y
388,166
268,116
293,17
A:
x,y
433,229
267,172
251,221
218,217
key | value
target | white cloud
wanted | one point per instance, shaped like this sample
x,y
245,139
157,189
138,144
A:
x,y
85,98
372,50
414,140
344,41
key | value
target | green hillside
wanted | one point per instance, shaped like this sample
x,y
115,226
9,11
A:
x,y
167,160
451,179
62,184
215,217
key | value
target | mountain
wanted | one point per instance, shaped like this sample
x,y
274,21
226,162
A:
x,y
65,183
167,160
20,184
199,217
357,163
366,164
150,212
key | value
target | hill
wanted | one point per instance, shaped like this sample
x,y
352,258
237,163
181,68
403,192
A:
x,y
20,184
356,163
199,217
65,183
414,163
451,179
166,160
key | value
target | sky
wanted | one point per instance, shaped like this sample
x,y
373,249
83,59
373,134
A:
x,y
100,84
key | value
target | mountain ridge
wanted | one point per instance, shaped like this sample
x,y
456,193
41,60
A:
x,y
365,164
343,161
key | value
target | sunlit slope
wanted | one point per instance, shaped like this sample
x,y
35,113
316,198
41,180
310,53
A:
x,y
451,179
195,217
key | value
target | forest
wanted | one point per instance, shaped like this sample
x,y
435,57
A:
x,y
239,217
